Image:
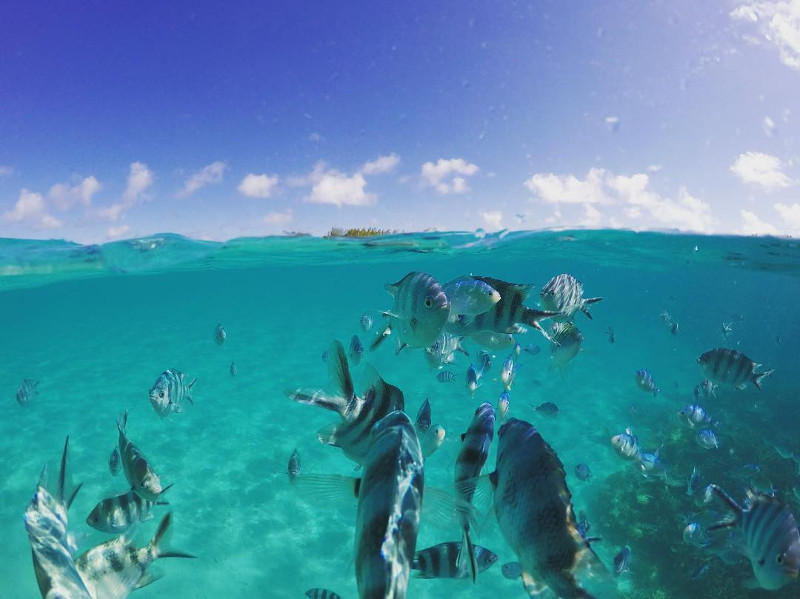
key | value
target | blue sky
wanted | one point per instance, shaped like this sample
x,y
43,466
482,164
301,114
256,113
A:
x,y
218,121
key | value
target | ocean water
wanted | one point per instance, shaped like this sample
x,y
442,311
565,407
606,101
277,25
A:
x,y
96,325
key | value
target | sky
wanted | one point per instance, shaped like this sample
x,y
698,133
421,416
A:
x,y
223,120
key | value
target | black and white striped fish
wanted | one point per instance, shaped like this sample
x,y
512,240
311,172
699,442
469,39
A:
x,y
475,445
567,340
138,471
319,593
442,561
564,294
419,313
117,514
443,350
534,510
113,462
117,567
169,390
389,505
506,316
771,538
358,414
27,391
644,380
731,367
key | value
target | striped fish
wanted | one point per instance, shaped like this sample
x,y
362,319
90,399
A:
x,y
113,462
442,561
564,293
567,341
731,367
140,474
419,313
534,510
442,351
445,376
358,414
27,391
293,469
117,514
389,505
319,593
644,380
771,537
470,296
117,567
169,390
475,445
506,316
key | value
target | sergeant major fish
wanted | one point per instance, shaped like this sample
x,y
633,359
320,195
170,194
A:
x,y
475,445
470,296
694,415
219,334
731,367
442,561
117,514
169,390
567,340
113,462
627,444
320,593
27,391
138,471
508,371
644,380
356,350
564,294
534,511
771,538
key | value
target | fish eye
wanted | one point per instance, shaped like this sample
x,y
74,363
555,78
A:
x,y
161,393
428,302
780,559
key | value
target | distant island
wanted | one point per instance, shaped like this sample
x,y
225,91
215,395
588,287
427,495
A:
x,y
370,232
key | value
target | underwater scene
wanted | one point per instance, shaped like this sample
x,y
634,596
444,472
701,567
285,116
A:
x,y
283,416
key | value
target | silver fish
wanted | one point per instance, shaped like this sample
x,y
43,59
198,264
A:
x,y
622,561
564,294
507,315
693,535
389,505
420,310
320,593
366,322
27,391
475,445
770,534
117,514
431,440
442,561
169,391
583,472
627,444
534,511
219,334
644,380
731,367
707,439
232,369
113,462
117,567
443,350
705,389
470,296
138,471
693,484
567,340
507,372
293,470
356,350
548,409
503,405
694,415
473,378
493,340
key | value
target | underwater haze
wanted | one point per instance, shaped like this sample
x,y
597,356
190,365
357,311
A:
x,y
96,325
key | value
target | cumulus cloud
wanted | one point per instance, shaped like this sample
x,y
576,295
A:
x,y
752,225
280,219
631,194
778,23
448,176
208,175
383,164
492,219
329,186
790,215
258,186
31,209
139,179
64,196
757,168
117,232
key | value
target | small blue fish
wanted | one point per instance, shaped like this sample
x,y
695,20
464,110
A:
x,y
219,334
693,485
694,415
356,350
446,376
233,369
533,349
366,322
113,462
707,439
622,561
27,391
645,382
611,337
583,472
472,378
508,372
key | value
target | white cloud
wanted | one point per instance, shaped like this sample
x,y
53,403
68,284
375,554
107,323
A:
x,y
280,219
778,23
492,219
632,194
139,179
770,127
757,168
790,215
206,176
258,186
329,186
117,232
30,209
6,171
612,122
448,176
752,225
383,164
112,212
64,196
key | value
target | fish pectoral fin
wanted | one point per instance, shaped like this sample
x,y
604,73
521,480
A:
x,y
149,577
329,435
441,506
328,488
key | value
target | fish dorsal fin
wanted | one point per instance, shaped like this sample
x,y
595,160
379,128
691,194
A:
x,y
506,289
339,369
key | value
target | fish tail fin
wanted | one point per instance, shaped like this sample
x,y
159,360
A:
x,y
317,397
592,300
531,316
735,507
192,383
159,544
122,422
62,494
758,377
339,369
468,553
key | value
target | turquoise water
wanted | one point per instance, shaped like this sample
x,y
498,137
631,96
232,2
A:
x,y
96,325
